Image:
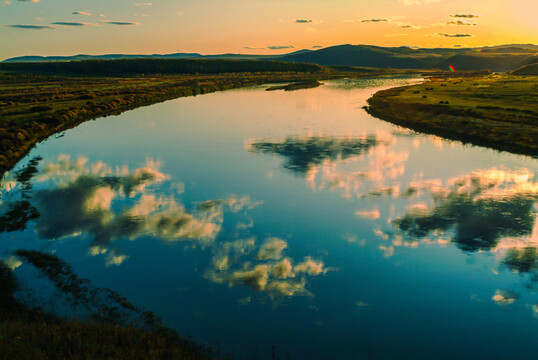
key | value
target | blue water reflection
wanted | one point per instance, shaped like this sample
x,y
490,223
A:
x,y
295,220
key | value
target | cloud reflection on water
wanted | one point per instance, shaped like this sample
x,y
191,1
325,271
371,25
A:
x,y
479,209
268,271
304,153
76,198
490,210
324,161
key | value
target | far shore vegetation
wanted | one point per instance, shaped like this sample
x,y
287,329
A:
x,y
496,111
307,84
38,100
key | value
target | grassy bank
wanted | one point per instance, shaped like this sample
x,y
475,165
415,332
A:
x,y
43,340
34,106
31,334
496,111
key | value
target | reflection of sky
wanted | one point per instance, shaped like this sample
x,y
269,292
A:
x,y
109,204
485,210
373,241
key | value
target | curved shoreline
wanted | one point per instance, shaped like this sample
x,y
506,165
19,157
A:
x,y
45,113
459,109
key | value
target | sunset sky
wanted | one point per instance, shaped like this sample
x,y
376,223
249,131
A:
x,y
68,27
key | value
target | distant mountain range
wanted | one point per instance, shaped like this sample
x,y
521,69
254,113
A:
x,y
34,58
495,58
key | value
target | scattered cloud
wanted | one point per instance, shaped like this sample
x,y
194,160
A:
x,y
253,48
464,210
107,204
279,47
304,154
455,35
418,2
4,3
388,251
12,262
120,23
465,16
34,1
71,23
375,20
31,26
392,35
361,304
272,249
503,297
353,239
316,46
271,273
81,13
371,215
142,4
403,25
303,21
459,22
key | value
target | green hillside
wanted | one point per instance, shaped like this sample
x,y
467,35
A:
x,y
531,69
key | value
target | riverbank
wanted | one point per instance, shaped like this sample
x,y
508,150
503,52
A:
x,y
34,107
32,334
495,111
308,84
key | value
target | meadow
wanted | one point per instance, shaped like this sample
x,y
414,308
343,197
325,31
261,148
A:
x,y
496,111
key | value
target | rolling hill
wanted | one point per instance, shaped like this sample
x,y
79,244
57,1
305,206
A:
x,y
374,56
496,58
530,69
492,61
499,58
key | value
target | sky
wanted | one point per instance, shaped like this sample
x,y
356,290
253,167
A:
x,y
69,27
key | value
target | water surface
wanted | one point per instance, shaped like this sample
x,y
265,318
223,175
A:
x,y
291,221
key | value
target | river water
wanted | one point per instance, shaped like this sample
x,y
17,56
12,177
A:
x,y
293,225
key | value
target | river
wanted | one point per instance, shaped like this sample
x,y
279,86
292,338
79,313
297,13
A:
x,y
291,224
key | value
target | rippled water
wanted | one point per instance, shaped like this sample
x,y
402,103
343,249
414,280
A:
x,y
291,223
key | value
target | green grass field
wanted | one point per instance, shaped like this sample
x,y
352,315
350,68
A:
x,y
497,111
